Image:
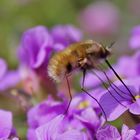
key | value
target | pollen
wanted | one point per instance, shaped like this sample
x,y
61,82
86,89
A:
x,y
137,97
83,104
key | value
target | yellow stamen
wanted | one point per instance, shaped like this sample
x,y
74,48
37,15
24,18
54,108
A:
x,y
83,104
137,96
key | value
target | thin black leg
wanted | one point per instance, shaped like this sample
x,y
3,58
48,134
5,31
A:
x,y
69,94
83,89
112,84
107,88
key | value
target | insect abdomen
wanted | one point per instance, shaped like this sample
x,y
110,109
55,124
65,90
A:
x,y
60,65
66,61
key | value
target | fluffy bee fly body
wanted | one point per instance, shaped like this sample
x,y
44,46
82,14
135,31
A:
x,y
84,56
81,55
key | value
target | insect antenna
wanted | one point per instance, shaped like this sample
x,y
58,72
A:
x,y
111,44
109,65
70,95
84,90
104,84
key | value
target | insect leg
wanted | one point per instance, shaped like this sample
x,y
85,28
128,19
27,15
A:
x,y
69,94
107,88
84,90
107,62
116,89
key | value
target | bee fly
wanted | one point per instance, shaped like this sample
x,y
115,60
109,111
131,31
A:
x,y
82,56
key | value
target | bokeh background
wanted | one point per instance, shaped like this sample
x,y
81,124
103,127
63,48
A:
x,y
16,16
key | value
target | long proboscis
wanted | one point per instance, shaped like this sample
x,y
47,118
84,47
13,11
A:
x,y
116,74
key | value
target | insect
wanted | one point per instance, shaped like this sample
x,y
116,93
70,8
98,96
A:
x,y
82,56
79,56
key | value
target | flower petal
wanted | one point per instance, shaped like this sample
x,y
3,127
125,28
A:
x,y
31,134
137,128
10,80
40,58
49,130
5,123
71,135
135,38
89,119
127,134
113,108
66,34
108,133
32,42
135,107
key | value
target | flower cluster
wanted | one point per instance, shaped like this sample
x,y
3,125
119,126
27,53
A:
x,y
85,118
38,43
48,120
111,133
36,47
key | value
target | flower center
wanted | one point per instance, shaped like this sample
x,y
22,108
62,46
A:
x,y
137,96
83,105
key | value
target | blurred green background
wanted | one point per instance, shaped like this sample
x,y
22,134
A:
x,y
18,15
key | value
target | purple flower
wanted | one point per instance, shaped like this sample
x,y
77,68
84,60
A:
x,y
85,109
35,47
64,35
127,134
11,79
41,114
8,78
135,37
100,18
5,124
80,115
124,100
31,134
87,101
38,43
137,128
109,132
124,63
90,120
54,130
92,81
